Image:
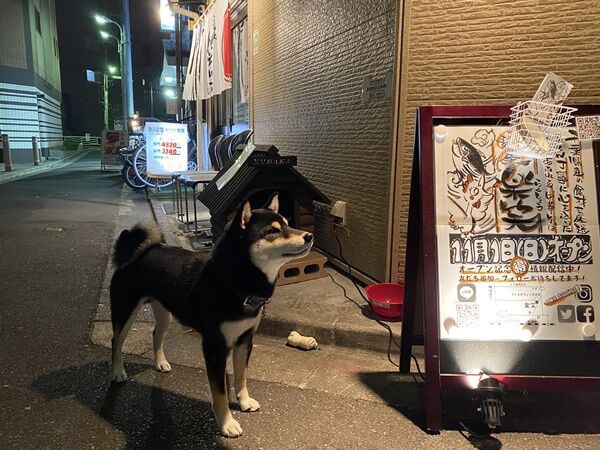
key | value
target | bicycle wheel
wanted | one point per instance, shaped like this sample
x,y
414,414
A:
x,y
130,178
139,165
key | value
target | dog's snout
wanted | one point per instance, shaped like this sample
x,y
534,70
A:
x,y
308,238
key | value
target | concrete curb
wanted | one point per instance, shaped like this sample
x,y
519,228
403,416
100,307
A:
x,y
6,177
329,333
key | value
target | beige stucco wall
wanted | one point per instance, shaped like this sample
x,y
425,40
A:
x,y
307,66
486,52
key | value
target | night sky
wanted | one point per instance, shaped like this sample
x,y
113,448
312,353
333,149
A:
x,y
82,48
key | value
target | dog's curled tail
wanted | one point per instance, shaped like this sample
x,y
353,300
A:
x,y
131,243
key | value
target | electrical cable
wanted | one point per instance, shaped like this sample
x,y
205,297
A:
x,y
389,349
384,325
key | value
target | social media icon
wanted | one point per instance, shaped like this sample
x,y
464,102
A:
x,y
585,293
585,313
566,313
466,293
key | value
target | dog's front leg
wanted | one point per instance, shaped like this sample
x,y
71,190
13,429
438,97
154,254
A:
x,y
241,356
215,356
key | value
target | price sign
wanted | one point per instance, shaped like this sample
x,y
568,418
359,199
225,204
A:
x,y
166,148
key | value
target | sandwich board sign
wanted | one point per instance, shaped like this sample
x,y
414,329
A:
x,y
111,142
166,148
510,251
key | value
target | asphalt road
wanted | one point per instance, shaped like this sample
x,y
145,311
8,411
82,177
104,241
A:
x,y
56,232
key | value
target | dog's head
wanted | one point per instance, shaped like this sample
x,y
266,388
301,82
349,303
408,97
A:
x,y
270,240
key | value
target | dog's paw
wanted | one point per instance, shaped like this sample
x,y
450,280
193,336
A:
x,y
231,428
163,366
119,375
248,404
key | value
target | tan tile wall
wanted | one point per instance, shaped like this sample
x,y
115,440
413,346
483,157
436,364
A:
x,y
488,52
306,79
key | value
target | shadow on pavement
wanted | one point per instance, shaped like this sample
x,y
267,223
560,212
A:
x,y
399,392
149,416
534,412
402,393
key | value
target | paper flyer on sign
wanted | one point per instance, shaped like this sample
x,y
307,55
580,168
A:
x,y
166,148
518,239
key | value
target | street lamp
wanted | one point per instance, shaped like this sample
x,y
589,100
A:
x,y
108,74
106,36
124,46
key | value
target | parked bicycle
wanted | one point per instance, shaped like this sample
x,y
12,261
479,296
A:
x,y
134,158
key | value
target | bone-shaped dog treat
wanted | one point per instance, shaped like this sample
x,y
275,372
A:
x,y
297,340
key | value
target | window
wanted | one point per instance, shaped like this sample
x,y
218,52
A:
x,y
38,21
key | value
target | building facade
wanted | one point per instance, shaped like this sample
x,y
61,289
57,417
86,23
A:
x,y
30,86
308,66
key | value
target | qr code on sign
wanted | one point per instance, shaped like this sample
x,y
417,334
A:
x,y
467,314
588,127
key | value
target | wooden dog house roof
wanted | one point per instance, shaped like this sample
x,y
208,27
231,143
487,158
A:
x,y
252,178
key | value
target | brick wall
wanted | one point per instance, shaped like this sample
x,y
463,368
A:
x,y
487,52
307,68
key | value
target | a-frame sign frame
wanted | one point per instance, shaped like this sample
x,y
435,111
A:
x,y
421,275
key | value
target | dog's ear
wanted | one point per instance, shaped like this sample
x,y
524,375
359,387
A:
x,y
273,203
244,214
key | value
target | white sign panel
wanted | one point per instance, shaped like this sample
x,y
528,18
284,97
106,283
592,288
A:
x,y
518,239
166,148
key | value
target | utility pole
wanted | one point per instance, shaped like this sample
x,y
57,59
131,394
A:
x,y
128,71
151,99
151,92
105,99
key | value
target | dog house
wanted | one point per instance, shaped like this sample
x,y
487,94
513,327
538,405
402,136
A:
x,y
263,173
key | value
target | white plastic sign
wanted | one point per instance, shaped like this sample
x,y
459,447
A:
x,y
166,148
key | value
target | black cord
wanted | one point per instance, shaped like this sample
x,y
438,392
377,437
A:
x,y
384,325
389,349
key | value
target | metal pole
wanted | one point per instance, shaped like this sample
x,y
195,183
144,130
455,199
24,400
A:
x,y
123,85
151,100
126,38
36,151
180,113
105,89
199,136
6,156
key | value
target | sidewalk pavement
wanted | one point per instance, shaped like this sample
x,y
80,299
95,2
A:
x,y
343,369
316,308
22,170
346,344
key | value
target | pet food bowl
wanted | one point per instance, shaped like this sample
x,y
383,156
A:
x,y
386,299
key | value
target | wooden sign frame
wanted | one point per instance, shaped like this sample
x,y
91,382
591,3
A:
x,y
422,265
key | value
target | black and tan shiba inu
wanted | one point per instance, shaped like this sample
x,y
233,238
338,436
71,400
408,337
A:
x,y
221,295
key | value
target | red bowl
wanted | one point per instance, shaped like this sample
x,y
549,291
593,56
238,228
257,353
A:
x,y
386,299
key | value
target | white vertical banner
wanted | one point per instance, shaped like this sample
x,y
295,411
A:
x,y
166,148
209,68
